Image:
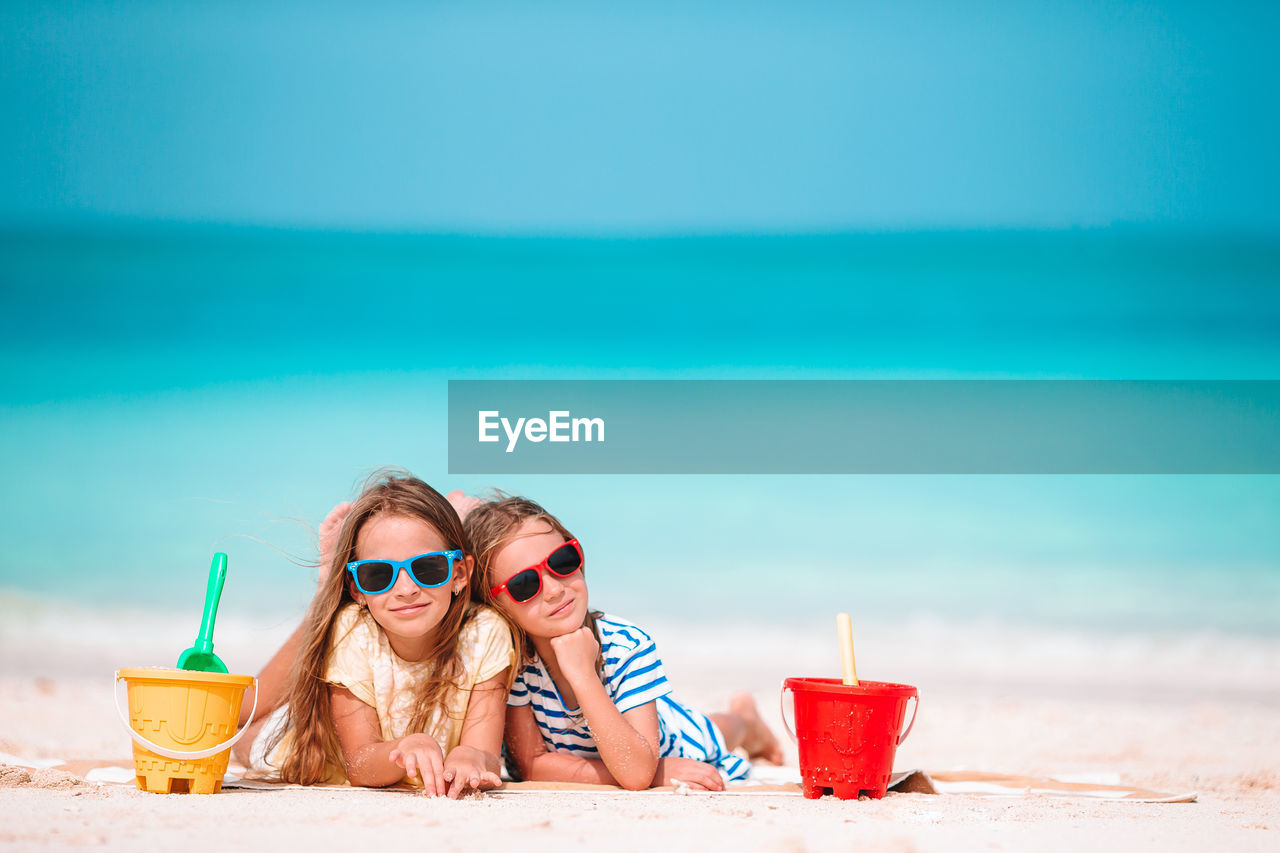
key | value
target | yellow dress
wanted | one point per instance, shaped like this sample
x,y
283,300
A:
x,y
361,659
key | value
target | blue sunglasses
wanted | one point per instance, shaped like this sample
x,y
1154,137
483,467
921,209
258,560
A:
x,y
374,577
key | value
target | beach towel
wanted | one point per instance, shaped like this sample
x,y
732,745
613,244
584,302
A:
x,y
767,781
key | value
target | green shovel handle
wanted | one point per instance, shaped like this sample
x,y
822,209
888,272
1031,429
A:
x,y
212,595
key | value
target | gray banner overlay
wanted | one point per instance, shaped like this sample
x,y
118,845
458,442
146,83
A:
x,y
864,427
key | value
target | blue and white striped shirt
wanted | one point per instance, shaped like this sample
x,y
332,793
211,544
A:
x,y
633,676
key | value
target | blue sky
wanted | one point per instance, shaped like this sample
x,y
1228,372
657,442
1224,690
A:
x,y
561,117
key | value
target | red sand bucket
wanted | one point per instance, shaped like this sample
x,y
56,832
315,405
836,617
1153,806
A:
x,y
847,735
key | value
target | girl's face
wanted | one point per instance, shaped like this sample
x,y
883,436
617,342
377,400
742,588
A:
x,y
561,605
408,613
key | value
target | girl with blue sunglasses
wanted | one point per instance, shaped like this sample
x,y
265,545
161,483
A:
x,y
400,672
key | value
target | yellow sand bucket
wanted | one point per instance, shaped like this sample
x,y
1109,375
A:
x,y
183,725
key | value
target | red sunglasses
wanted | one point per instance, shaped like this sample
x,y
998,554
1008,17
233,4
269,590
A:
x,y
527,583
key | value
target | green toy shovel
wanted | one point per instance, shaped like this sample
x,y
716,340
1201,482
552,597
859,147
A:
x,y
200,657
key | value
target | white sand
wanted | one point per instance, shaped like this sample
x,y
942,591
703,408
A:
x,y
1032,704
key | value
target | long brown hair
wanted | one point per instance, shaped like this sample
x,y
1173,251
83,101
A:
x,y
491,525
315,749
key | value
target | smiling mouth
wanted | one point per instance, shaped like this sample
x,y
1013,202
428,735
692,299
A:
x,y
412,608
559,611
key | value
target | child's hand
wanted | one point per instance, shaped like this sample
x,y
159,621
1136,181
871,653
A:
x,y
329,529
576,652
468,768
697,774
420,756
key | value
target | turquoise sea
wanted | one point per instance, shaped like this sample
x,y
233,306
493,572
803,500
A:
x,y
168,391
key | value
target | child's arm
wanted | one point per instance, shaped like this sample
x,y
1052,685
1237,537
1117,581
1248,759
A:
x,y
374,763
473,763
273,681
628,743
529,751
536,764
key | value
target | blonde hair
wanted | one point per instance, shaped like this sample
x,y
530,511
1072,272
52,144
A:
x,y
314,748
491,526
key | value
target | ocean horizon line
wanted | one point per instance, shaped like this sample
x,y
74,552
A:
x,y
129,226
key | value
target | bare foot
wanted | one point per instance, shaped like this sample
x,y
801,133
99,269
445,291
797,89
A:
x,y
757,740
462,502
329,529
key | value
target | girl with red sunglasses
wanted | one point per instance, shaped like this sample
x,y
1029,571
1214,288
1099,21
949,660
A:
x,y
590,701
399,672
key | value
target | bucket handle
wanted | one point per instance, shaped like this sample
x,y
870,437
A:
x,y
782,709
173,753
915,707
